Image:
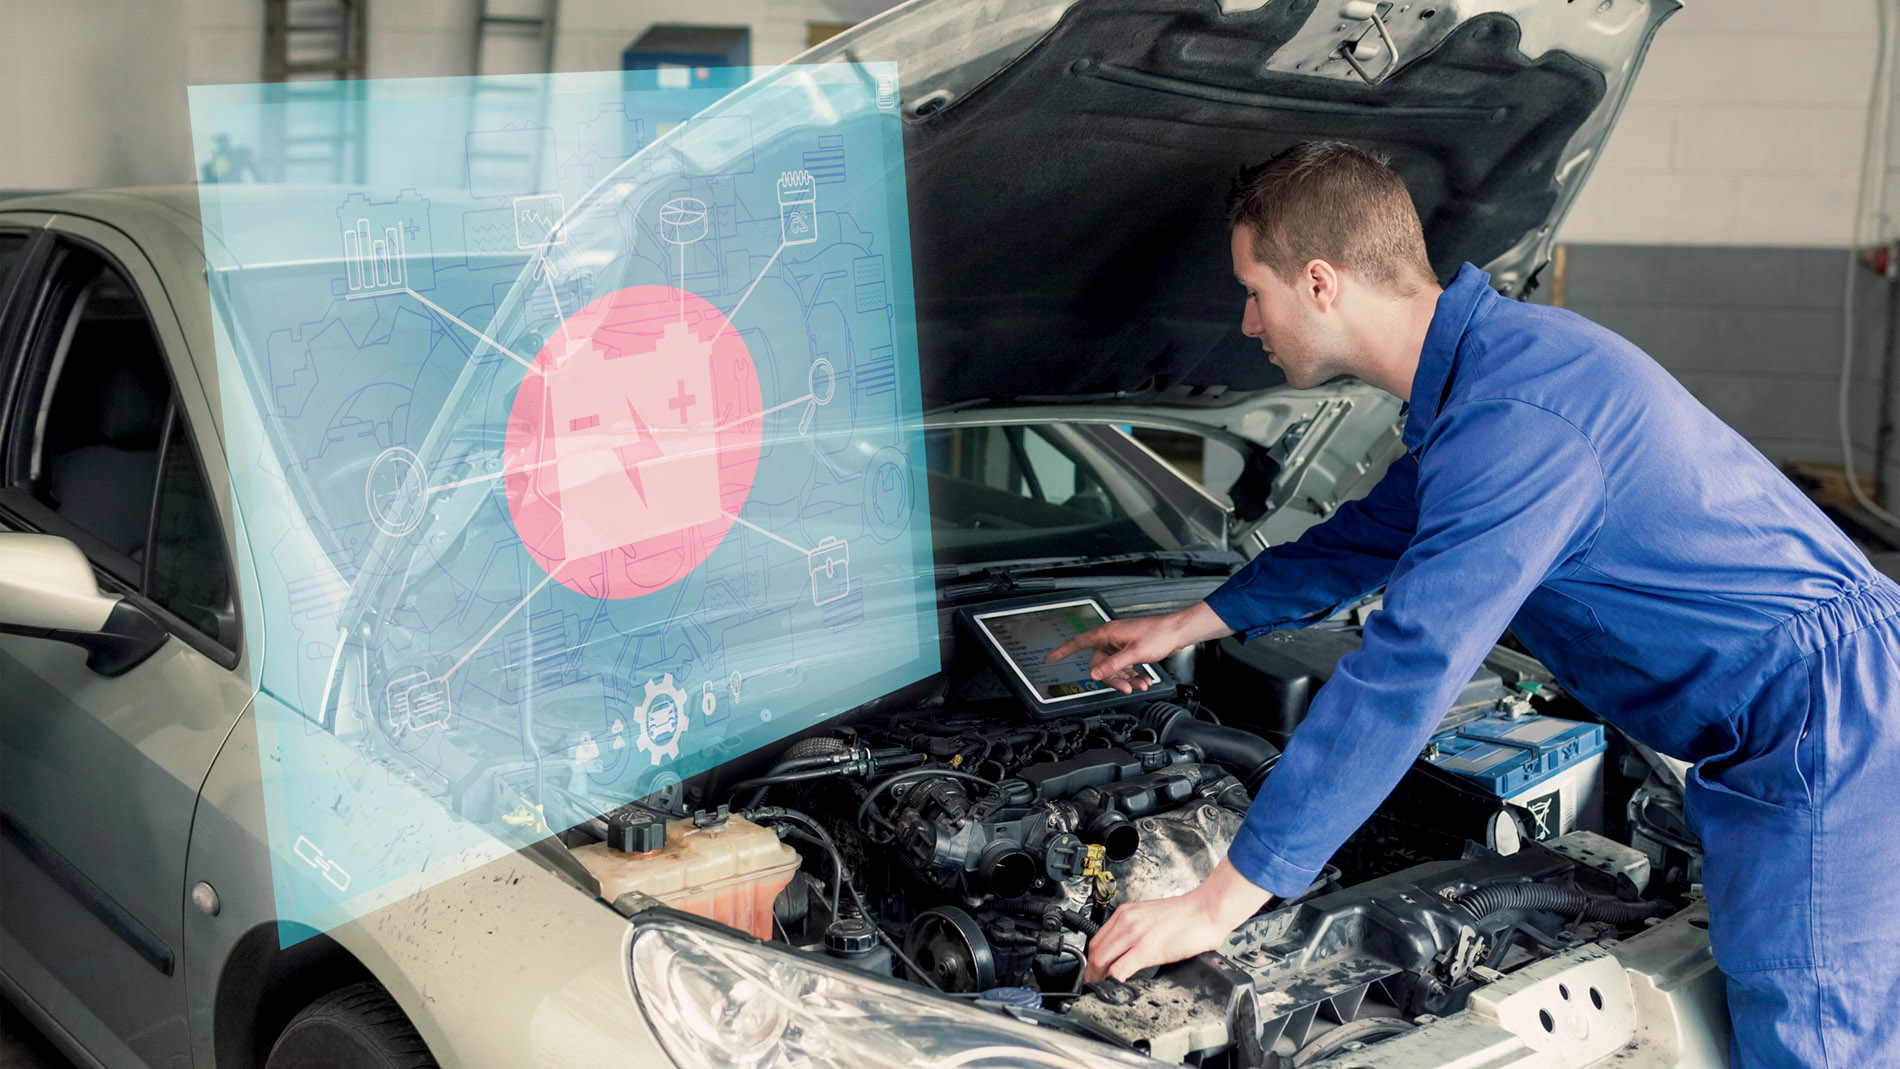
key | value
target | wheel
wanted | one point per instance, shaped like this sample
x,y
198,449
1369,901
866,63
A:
x,y
354,1027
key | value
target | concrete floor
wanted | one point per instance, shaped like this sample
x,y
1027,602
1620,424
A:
x,y
22,1046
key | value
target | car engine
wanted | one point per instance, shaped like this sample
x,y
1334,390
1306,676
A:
x,y
955,843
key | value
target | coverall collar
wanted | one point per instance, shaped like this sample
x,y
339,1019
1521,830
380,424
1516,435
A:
x,y
1456,306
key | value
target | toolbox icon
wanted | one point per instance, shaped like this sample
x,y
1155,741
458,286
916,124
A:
x,y
830,570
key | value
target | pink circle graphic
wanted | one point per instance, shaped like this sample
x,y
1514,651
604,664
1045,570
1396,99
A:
x,y
635,442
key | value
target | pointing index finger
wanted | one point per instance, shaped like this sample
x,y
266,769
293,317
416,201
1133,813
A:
x,y
1082,641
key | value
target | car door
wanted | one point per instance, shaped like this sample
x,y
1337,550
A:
x,y
105,439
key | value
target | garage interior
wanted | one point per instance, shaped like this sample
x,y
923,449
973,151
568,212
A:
x,y
1725,229
1714,232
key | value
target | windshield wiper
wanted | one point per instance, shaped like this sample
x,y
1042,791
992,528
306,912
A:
x,y
1204,559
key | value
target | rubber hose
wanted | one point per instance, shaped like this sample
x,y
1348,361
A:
x,y
812,747
1484,901
805,759
1080,923
1246,755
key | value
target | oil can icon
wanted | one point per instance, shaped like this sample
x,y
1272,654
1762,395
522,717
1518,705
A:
x,y
798,207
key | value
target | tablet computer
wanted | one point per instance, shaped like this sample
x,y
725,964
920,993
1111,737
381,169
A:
x,y
1016,636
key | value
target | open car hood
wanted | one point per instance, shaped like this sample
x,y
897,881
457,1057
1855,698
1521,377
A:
x,y
1066,187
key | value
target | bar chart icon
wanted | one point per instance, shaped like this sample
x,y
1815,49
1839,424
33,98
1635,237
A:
x,y
374,261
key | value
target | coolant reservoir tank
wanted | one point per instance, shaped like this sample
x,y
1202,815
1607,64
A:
x,y
728,871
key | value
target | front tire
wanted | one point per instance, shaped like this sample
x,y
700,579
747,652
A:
x,y
354,1027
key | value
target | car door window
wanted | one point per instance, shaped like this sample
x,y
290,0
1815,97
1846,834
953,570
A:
x,y
1212,463
1022,461
186,573
101,453
12,248
1005,491
97,427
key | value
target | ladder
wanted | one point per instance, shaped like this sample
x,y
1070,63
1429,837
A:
x,y
512,37
310,46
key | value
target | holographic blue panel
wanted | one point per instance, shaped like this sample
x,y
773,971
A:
x,y
575,436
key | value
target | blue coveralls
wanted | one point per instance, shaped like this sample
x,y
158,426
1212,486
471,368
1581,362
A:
x,y
1560,482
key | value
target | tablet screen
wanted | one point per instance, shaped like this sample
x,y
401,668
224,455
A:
x,y
1025,636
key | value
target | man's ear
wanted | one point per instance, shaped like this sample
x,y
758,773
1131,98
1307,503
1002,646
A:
x,y
1321,281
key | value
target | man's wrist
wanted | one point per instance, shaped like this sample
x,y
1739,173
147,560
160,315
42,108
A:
x,y
1228,897
1196,623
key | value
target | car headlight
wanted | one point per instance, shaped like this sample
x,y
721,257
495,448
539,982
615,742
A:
x,y
715,1001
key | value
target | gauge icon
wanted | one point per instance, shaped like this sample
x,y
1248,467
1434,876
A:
x,y
396,491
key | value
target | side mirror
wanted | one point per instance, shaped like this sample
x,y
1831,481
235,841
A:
x,y
47,591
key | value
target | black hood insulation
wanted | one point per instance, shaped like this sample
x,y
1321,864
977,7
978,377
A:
x,y
1066,215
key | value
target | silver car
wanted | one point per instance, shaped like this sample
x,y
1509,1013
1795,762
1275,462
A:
x,y
947,851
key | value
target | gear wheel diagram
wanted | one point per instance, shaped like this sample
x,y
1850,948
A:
x,y
662,716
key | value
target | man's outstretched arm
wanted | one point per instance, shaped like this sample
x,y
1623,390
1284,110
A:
x,y
1120,645
1494,523
1336,562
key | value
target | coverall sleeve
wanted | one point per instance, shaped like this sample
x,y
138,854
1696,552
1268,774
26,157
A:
x,y
1332,564
1509,494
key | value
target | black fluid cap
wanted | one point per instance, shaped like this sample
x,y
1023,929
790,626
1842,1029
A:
x,y
635,829
850,936
1151,755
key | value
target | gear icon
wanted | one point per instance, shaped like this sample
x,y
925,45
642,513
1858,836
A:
x,y
662,716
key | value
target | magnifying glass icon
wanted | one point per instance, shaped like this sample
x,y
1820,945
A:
x,y
823,384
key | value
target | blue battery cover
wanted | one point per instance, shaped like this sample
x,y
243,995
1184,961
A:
x,y
1506,754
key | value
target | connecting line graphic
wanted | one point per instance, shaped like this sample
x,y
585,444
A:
x,y
760,277
499,623
743,522
762,414
492,475
450,316
547,275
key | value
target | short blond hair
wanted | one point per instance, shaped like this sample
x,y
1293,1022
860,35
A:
x,y
1328,200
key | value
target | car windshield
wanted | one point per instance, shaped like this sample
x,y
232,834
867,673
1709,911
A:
x,y
1014,491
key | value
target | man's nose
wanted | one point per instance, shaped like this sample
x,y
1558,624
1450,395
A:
x,y
1249,325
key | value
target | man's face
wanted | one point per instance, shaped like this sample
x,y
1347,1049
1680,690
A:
x,y
1298,337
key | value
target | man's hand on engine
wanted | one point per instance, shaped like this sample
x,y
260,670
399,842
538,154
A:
x,y
1140,934
1122,645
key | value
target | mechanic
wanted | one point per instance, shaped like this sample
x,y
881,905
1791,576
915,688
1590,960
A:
x,y
1557,481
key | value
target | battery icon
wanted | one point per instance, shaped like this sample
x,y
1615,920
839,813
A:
x,y
887,91
798,207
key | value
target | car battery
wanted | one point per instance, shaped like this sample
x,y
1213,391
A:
x,y
1551,767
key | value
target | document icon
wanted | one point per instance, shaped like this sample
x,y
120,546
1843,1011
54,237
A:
x,y
798,207
830,571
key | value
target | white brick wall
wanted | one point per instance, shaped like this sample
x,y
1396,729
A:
x,y
1745,127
